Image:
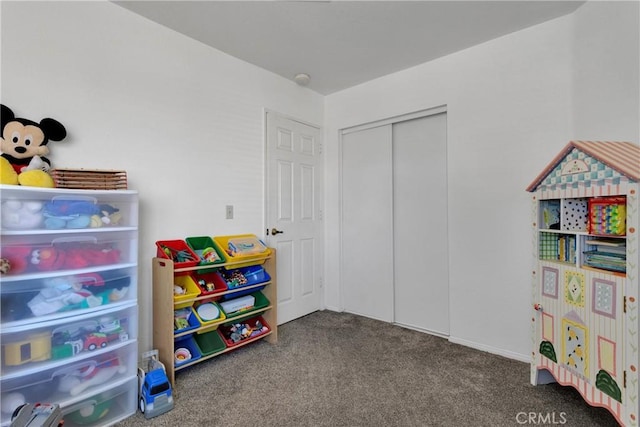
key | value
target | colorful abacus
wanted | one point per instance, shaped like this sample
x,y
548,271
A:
x,y
607,216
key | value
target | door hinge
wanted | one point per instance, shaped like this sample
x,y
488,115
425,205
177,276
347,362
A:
x,y
624,304
320,148
320,214
624,379
320,282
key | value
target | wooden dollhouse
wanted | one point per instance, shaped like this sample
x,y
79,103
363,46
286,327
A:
x,y
585,277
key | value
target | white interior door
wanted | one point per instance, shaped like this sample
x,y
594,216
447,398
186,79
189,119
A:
x,y
293,213
421,261
367,223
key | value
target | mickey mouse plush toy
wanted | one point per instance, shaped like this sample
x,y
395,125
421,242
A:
x,y
23,145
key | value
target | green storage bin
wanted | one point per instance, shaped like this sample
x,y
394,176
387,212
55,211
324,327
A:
x,y
210,342
261,301
204,247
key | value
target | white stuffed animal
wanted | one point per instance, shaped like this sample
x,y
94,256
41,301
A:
x,y
22,215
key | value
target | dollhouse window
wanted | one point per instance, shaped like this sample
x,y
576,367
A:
x,y
550,282
604,296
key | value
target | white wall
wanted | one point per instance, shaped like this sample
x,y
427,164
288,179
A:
x,y
606,71
184,120
513,103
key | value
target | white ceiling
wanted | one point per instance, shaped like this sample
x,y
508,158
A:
x,y
344,43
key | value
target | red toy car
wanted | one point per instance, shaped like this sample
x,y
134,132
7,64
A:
x,y
95,340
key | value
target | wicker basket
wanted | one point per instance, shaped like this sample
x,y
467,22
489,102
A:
x,y
89,179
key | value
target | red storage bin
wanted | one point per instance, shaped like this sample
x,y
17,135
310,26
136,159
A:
x,y
237,333
210,284
181,254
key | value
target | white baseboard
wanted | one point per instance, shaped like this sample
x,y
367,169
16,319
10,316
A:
x,y
425,331
493,350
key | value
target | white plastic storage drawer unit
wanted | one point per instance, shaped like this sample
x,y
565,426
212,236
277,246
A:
x,y
68,302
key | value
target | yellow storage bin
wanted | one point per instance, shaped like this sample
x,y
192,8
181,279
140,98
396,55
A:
x,y
246,249
209,314
185,290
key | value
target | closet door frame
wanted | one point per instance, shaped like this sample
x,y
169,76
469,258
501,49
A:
x,y
357,128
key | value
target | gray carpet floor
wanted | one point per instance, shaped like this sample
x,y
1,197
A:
x,y
338,369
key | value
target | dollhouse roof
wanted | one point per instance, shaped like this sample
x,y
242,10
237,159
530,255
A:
x,y
623,157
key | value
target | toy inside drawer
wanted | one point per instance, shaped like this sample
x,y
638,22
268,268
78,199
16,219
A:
x,y
46,253
103,408
40,209
66,384
36,297
49,343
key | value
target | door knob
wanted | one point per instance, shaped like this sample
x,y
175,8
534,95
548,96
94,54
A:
x,y
275,231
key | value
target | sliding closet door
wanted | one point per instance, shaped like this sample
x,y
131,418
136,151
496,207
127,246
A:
x,y
367,224
421,270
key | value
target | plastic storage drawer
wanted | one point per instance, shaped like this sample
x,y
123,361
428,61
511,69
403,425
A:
x,y
41,297
103,408
48,343
59,252
66,383
47,209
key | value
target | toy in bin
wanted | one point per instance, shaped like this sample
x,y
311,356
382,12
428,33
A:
x,y
155,393
234,278
237,305
245,246
177,255
237,332
177,251
184,320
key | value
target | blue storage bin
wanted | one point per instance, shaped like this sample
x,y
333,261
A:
x,y
239,278
253,275
241,292
189,317
192,353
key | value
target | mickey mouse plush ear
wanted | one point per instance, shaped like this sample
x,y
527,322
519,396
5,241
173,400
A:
x,y
53,129
6,115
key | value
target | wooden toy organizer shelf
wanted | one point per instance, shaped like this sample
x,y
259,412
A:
x,y
164,305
